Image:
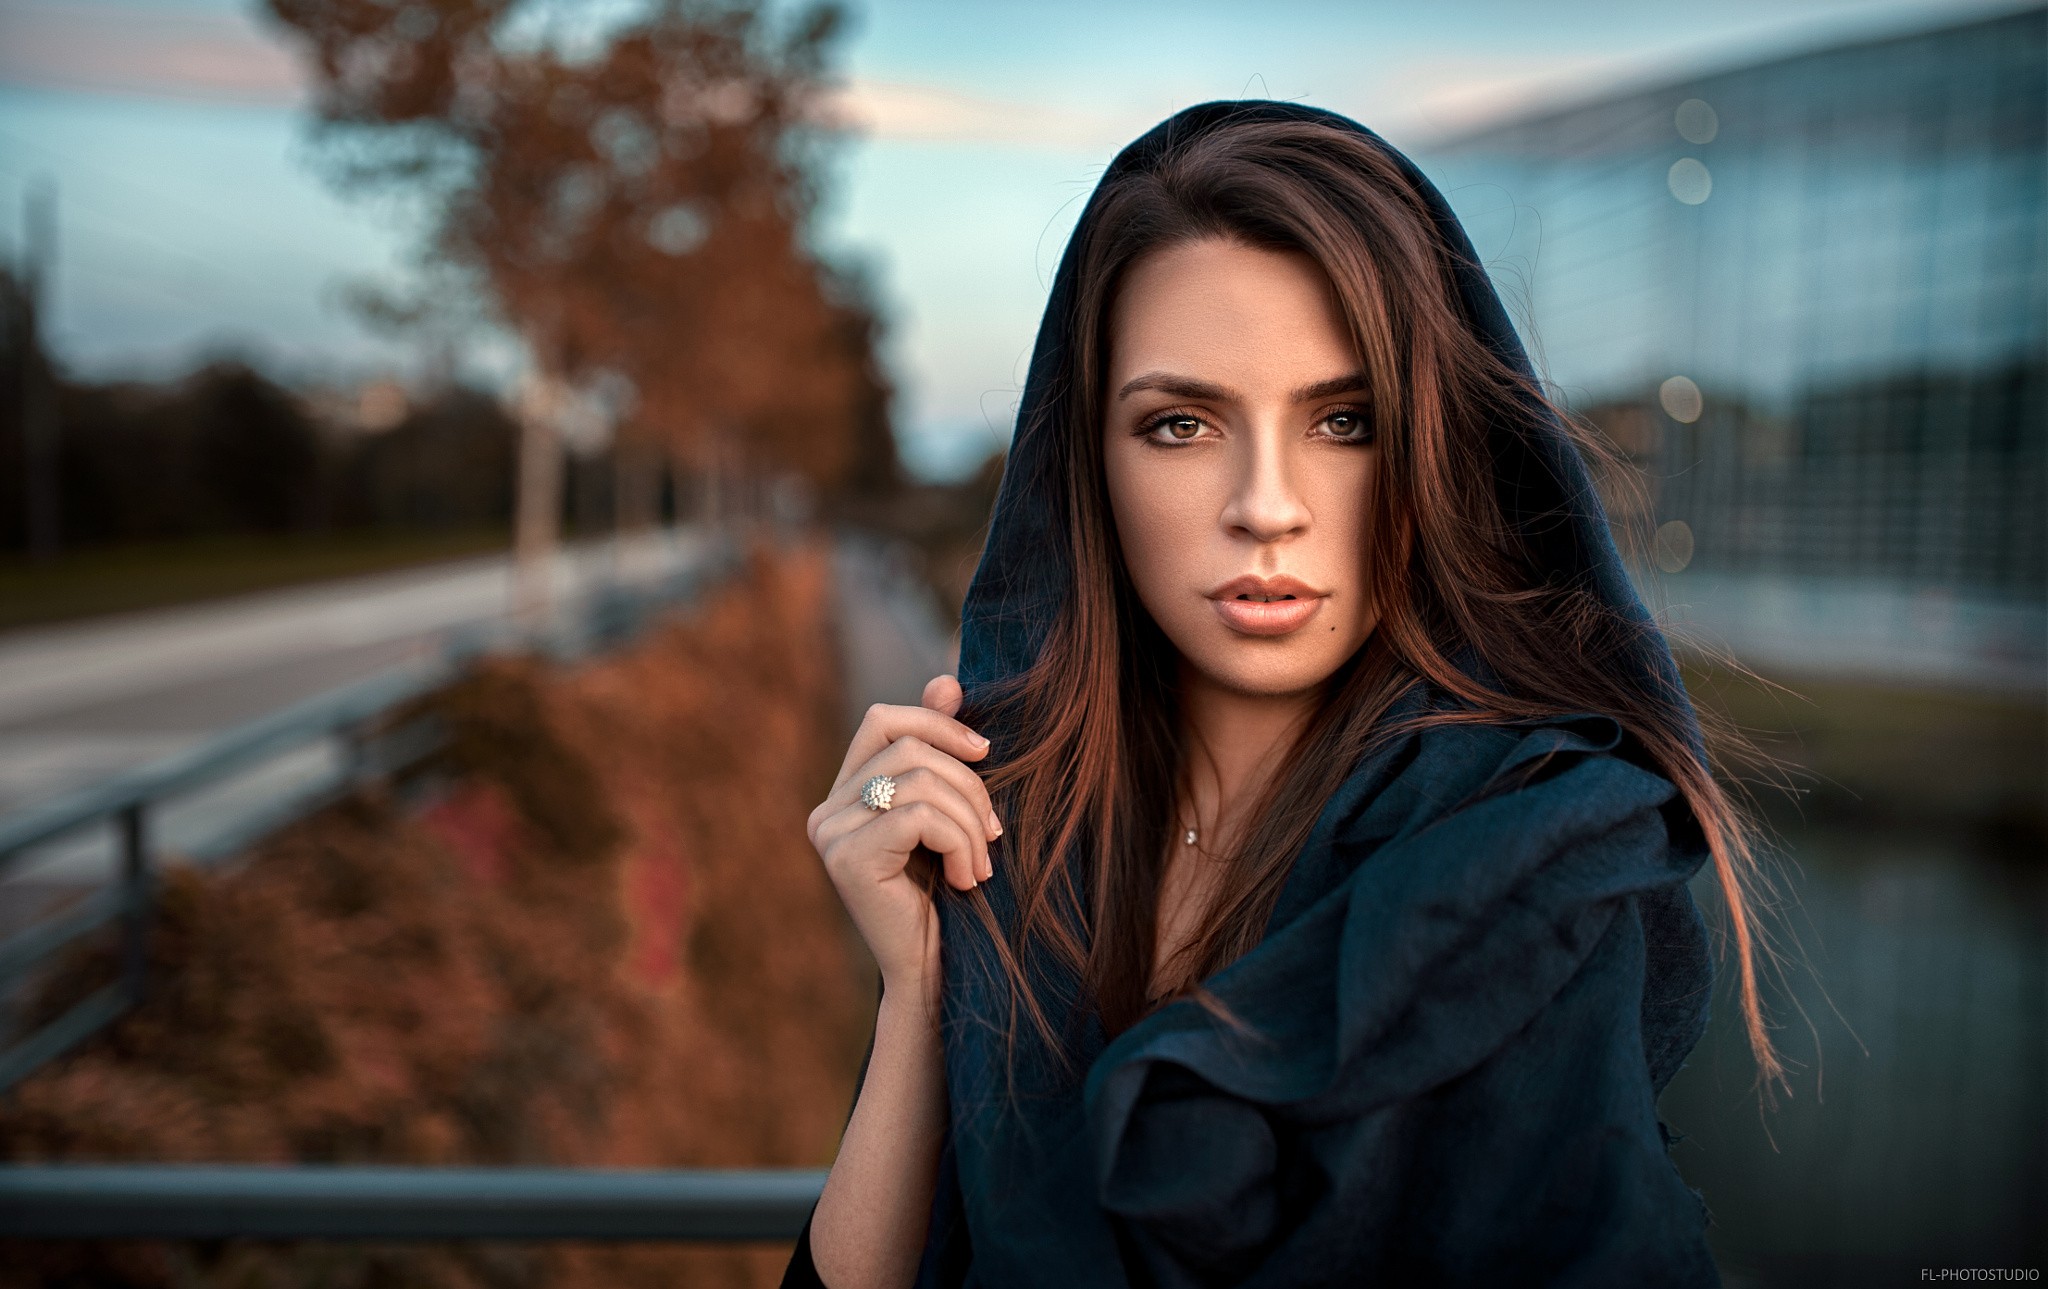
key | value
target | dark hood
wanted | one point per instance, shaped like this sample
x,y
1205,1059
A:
x,y
1545,491
1464,1012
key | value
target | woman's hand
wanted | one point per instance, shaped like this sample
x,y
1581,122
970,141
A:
x,y
940,805
870,1224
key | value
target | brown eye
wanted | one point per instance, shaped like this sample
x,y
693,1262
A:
x,y
1351,427
1181,428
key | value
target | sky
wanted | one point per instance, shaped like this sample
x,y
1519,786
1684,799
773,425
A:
x,y
193,223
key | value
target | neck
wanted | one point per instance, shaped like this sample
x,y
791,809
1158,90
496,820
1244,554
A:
x,y
1233,741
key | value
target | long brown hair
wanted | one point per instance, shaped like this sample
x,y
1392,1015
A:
x,y
1099,761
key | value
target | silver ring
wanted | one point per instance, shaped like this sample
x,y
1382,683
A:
x,y
879,792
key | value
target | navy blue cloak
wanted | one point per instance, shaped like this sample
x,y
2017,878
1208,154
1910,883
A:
x,y
1483,969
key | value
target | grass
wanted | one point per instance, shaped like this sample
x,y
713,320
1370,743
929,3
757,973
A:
x,y
1878,750
118,579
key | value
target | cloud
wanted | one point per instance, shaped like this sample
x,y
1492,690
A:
x,y
101,47
929,113
123,47
107,49
132,49
1448,95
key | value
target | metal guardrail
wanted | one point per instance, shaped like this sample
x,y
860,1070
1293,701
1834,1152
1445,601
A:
x,y
208,1202
285,1202
355,713
126,799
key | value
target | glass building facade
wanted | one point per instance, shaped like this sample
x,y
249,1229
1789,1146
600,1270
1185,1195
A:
x,y
1809,298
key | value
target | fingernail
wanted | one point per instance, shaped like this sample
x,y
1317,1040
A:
x,y
988,870
981,742
995,825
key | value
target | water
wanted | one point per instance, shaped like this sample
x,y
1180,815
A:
x,y
1917,1129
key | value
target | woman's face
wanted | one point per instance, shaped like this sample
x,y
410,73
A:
x,y
1239,453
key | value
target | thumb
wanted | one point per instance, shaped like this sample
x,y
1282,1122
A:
x,y
943,695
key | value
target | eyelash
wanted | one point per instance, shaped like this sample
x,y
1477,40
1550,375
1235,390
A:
x,y
1153,423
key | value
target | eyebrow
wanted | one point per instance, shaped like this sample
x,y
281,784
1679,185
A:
x,y
1208,391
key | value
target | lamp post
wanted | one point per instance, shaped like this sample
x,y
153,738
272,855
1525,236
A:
x,y
537,529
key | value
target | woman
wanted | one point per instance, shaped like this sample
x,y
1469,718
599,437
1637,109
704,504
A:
x,y
1338,929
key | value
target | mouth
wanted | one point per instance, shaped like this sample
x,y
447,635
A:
x,y
1255,606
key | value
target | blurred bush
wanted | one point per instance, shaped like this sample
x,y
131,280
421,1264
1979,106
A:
x,y
605,941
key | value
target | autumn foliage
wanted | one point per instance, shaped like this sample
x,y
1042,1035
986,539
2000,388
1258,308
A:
x,y
632,197
602,940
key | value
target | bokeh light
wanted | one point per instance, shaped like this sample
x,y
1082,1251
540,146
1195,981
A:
x,y
1697,121
1690,180
1681,399
1674,545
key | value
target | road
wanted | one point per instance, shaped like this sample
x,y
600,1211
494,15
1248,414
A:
x,y
891,638
82,702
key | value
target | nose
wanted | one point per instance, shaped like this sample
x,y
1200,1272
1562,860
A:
x,y
1264,504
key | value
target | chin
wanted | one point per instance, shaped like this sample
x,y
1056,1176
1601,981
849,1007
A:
x,y
1270,667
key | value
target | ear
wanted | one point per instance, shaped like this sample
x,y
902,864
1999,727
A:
x,y
943,695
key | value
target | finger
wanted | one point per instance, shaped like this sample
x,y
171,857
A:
x,y
880,847
943,695
930,783
928,824
896,761
910,752
886,722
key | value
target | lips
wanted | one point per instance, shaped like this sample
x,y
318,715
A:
x,y
1266,606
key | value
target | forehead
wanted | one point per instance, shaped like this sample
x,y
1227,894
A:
x,y
1256,320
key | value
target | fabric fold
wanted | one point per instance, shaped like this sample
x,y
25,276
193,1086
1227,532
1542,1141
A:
x,y
1438,952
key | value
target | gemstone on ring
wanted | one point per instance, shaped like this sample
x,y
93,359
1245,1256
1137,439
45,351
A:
x,y
879,792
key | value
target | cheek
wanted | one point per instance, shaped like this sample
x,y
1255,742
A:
x,y
1343,537
1163,518
1340,551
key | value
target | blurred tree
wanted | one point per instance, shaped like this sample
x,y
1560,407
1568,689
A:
x,y
256,451
631,197
447,465
21,360
225,450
